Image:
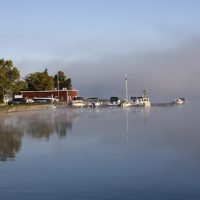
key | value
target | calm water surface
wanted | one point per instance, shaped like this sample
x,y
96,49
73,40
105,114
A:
x,y
108,153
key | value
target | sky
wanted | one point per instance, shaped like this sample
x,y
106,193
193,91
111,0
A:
x,y
156,42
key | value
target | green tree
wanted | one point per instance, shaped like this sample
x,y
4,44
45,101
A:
x,y
21,85
69,83
39,81
64,82
10,82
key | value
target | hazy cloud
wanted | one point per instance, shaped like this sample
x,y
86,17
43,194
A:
x,y
166,74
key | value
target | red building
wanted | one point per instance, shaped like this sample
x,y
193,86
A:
x,y
62,95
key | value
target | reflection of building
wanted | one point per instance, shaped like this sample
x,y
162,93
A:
x,y
63,95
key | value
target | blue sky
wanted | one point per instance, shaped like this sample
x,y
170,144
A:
x,y
96,41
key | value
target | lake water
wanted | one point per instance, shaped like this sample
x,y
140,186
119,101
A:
x,y
97,154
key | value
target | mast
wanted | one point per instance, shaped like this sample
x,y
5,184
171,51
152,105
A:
x,y
58,82
126,85
145,93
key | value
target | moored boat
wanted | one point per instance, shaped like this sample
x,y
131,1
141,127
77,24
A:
x,y
94,102
146,102
126,103
141,101
114,101
78,102
179,101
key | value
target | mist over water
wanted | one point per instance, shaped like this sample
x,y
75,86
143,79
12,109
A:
x,y
108,153
167,74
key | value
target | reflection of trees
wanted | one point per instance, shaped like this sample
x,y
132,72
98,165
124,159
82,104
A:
x,y
42,126
36,124
63,123
61,128
10,141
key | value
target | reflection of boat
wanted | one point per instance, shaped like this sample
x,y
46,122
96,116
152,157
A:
x,y
52,106
145,113
179,101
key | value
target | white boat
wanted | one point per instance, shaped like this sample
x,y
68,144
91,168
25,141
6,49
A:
x,y
126,104
78,102
114,101
94,102
179,101
136,101
141,101
44,100
145,102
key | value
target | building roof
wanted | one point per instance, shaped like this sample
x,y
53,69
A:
x,y
49,91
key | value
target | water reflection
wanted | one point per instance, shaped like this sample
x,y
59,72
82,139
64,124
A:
x,y
42,124
10,140
37,124
108,153
145,113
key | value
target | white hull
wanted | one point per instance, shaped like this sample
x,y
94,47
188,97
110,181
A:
x,y
113,104
114,101
94,104
126,104
78,104
146,104
142,101
179,101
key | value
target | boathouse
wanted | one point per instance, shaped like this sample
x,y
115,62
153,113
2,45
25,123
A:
x,y
62,95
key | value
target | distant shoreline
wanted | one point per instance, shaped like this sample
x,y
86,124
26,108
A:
x,y
32,107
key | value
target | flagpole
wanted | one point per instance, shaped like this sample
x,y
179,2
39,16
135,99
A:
x,y
126,85
58,82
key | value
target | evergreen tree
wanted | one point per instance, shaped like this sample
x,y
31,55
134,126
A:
x,y
63,81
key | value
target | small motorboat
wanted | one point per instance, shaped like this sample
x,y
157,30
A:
x,y
94,102
126,103
78,102
141,101
179,101
114,101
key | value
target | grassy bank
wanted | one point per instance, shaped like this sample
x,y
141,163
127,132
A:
x,y
20,108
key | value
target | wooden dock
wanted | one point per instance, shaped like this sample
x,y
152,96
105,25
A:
x,y
163,104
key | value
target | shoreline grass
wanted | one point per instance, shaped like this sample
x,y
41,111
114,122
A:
x,y
21,108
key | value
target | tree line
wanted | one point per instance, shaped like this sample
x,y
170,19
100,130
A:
x,y
11,82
